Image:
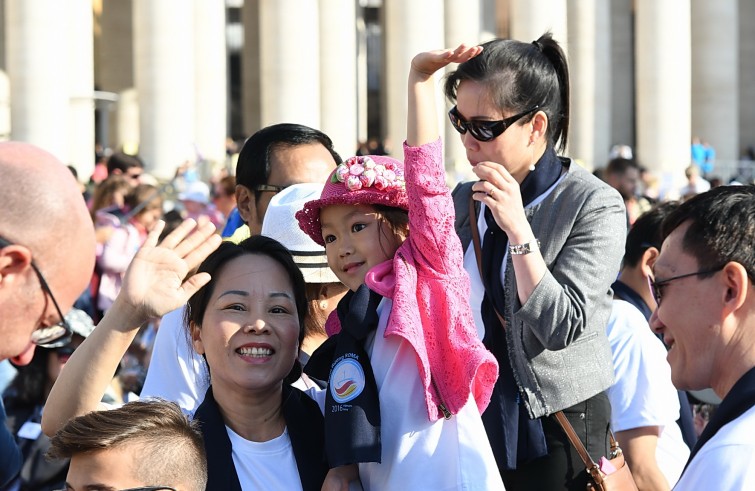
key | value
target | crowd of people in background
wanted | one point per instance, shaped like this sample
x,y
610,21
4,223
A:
x,y
300,321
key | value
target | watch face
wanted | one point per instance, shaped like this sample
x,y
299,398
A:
x,y
526,248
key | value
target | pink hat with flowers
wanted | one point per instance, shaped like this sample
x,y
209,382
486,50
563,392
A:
x,y
364,180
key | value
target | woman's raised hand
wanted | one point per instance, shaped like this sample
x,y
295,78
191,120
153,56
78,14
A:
x,y
429,62
155,282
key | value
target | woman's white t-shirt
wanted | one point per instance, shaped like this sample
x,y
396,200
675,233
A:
x,y
265,465
418,454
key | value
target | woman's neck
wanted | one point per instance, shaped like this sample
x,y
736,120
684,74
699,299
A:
x,y
312,342
537,154
254,415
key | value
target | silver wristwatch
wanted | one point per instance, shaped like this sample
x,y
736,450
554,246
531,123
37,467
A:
x,y
526,248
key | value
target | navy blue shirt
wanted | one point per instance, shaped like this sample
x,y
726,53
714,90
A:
x,y
10,454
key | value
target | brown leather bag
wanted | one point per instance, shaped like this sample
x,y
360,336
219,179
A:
x,y
619,480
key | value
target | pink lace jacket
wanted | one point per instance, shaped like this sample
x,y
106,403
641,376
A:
x,y
430,292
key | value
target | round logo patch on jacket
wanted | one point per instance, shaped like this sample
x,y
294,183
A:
x,y
346,380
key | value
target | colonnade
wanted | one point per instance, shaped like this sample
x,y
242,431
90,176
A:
x,y
646,73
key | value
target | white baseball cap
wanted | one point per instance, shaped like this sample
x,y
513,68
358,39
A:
x,y
280,224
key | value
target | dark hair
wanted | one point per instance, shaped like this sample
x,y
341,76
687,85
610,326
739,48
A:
x,y
722,227
253,165
519,76
646,232
123,162
619,166
28,386
171,448
259,245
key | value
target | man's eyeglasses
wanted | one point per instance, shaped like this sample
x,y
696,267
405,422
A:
x,y
48,336
656,287
145,488
270,188
484,131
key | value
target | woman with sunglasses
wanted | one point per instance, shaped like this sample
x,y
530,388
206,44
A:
x,y
552,237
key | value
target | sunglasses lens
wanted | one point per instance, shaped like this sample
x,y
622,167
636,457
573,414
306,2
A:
x,y
50,337
481,131
456,122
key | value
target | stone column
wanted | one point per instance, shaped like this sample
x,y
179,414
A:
x,y
114,67
211,82
4,83
127,121
621,74
462,25
662,52
747,74
530,19
338,74
164,67
80,74
251,95
37,57
409,27
289,61
715,76
589,71
5,127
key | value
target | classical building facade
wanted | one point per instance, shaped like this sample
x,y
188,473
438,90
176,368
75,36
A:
x,y
175,78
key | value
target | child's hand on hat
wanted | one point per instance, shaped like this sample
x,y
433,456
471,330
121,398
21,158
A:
x,y
429,62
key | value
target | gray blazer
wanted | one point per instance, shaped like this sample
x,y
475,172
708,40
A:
x,y
557,340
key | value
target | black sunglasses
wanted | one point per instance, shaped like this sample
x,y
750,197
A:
x,y
656,286
48,336
485,131
270,188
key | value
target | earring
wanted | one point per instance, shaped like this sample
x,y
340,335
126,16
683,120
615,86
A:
x,y
323,304
532,167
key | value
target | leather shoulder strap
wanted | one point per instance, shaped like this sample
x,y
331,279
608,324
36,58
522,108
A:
x,y
574,439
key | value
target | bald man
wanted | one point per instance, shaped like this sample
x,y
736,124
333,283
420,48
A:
x,y
46,260
47,248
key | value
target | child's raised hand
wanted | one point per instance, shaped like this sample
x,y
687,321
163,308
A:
x,y
429,62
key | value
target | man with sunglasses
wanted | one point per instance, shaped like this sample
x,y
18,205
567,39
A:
x,y
46,249
704,286
46,260
141,446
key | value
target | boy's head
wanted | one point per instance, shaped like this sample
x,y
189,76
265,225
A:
x,y
361,217
142,443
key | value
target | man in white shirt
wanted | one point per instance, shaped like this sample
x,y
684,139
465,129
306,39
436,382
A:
x,y
705,290
644,402
271,160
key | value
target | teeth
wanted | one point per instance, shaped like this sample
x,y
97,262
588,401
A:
x,y
260,352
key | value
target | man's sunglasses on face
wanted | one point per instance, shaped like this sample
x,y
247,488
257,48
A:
x,y
48,336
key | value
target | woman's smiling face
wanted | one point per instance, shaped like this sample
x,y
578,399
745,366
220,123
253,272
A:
x,y
250,329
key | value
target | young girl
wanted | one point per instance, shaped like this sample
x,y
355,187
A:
x,y
408,376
